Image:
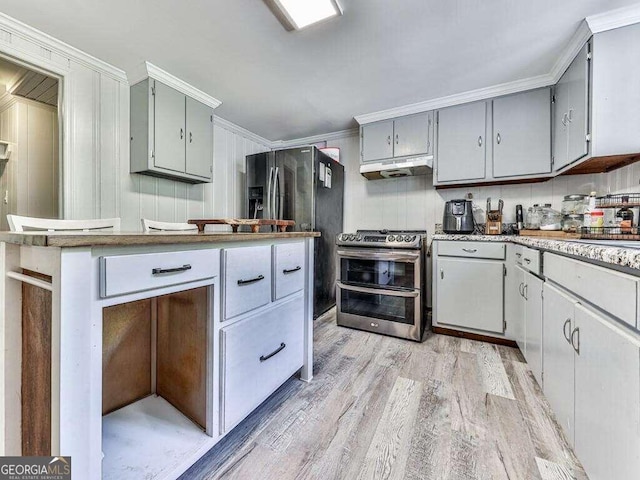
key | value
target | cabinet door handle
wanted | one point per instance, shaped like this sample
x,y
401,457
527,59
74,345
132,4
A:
x,y
575,334
564,329
190,137
480,141
564,119
388,139
291,270
470,250
521,289
525,290
498,139
519,255
397,139
570,115
264,358
251,280
159,271
441,274
181,134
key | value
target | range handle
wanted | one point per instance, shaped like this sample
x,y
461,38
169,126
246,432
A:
x,y
378,291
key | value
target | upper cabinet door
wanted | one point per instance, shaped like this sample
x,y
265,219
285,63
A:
x,y
199,139
411,135
377,141
461,142
561,123
577,114
522,134
170,131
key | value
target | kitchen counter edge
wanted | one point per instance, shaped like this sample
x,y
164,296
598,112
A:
x,y
94,239
622,257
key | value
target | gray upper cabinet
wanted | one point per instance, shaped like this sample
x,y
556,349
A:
x,y
522,134
171,133
377,141
199,131
571,112
402,137
411,135
169,151
461,142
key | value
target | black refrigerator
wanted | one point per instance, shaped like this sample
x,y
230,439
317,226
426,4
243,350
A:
x,y
305,185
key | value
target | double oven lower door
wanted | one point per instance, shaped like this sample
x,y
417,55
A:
x,y
380,290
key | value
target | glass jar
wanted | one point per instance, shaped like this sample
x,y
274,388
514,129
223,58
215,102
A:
x,y
597,219
572,223
533,217
575,204
551,219
625,219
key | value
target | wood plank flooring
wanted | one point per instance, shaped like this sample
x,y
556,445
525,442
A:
x,y
386,408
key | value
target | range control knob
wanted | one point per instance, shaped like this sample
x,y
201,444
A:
x,y
352,237
407,238
391,238
413,238
359,238
342,237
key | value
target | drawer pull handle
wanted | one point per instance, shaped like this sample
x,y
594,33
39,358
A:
x,y
470,250
251,280
527,261
291,270
159,271
518,255
264,358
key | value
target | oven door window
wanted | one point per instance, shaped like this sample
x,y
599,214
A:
x,y
379,306
378,273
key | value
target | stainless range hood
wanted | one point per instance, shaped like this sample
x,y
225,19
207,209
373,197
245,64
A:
x,y
397,167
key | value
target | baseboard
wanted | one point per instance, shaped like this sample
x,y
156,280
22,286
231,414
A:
x,y
474,336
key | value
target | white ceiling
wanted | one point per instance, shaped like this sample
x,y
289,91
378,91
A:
x,y
283,85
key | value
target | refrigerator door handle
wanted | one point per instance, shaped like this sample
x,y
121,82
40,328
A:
x,y
274,193
267,209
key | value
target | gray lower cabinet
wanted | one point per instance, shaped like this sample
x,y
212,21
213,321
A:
x,y
522,134
402,137
461,143
607,398
470,293
171,133
592,381
558,322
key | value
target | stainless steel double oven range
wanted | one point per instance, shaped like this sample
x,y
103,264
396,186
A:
x,y
381,282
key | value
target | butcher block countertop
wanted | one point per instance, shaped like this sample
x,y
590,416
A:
x,y
91,239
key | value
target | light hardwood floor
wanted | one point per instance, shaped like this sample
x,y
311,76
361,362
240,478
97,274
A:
x,y
381,407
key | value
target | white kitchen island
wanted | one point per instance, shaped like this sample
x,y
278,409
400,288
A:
x,y
135,353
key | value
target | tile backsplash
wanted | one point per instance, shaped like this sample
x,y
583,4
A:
x,y
413,202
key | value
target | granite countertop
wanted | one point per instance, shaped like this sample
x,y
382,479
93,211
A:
x,y
620,256
91,239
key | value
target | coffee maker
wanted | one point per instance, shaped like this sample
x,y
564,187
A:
x,y
458,217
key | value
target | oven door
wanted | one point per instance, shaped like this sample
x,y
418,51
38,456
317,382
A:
x,y
392,312
377,268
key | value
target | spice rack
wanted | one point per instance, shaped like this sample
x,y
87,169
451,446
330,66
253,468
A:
x,y
618,200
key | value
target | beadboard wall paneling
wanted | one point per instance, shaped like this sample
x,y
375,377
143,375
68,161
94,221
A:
x,y
413,202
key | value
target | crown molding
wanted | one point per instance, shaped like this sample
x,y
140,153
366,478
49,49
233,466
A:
x,y
243,132
579,38
326,137
458,99
147,69
620,17
47,42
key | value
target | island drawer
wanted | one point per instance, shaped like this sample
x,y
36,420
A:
x,y
258,355
289,269
611,291
473,249
122,274
247,279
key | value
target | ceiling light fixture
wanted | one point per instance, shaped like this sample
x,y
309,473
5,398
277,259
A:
x,y
297,14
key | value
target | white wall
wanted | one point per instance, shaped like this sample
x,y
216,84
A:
x,y
413,202
30,178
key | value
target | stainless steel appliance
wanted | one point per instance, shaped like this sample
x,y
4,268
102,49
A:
x,y
381,284
458,217
304,185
